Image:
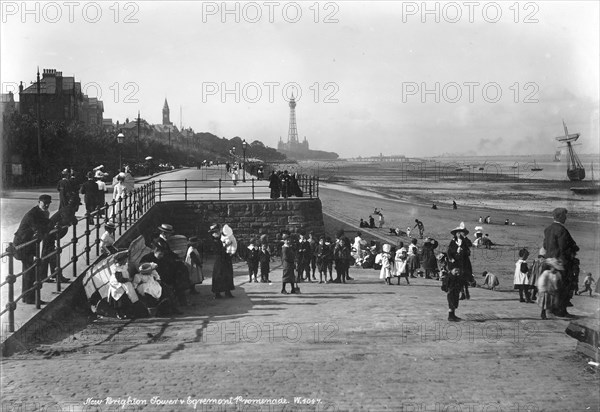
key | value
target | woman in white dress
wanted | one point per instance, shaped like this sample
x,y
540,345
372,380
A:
x,y
119,193
120,288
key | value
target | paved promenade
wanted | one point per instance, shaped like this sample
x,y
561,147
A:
x,y
356,346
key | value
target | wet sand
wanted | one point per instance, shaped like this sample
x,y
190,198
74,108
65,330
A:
x,y
529,212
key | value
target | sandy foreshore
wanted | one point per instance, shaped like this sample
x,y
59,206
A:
x,y
401,206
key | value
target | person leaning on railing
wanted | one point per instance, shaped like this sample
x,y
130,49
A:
x,y
34,225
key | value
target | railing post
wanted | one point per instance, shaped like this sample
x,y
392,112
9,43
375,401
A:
x,y
219,188
125,209
57,257
160,191
74,257
317,187
252,188
11,279
310,187
185,184
37,263
87,239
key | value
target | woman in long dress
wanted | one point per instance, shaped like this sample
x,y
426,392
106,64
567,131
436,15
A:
x,y
222,275
459,252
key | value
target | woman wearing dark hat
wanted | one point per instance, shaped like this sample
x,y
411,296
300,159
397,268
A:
x,y
90,192
459,252
222,275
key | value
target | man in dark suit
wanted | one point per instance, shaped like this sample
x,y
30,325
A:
x,y
91,195
61,220
560,245
35,224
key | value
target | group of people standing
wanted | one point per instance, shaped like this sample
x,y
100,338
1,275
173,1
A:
x,y
283,184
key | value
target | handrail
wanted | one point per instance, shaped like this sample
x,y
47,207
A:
x,y
124,212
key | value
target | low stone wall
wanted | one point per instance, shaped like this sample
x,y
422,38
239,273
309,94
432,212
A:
x,y
246,218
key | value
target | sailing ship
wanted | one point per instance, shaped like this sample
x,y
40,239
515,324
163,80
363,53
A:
x,y
592,189
575,170
536,168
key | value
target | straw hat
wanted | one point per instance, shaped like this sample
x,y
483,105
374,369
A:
x,y
215,227
146,268
110,225
460,228
165,228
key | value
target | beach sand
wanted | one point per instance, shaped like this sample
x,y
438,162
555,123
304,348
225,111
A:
x,y
351,203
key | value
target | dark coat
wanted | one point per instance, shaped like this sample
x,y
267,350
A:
x,y
65,190
428,255
461,260
222,275
91,194
36,221
559,244
287,259
274,185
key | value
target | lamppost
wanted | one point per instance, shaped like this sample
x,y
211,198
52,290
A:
x,y
120,141
244,145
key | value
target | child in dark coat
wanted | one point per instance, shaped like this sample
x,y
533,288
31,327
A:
x,y
264,259
452,284
252,260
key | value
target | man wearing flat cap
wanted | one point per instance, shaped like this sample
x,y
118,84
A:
x,y
35,224
559,244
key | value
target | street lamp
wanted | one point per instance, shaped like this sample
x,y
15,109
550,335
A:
x,y
120,141
244,145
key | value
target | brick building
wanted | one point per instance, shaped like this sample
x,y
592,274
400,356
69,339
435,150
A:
x,y
61,99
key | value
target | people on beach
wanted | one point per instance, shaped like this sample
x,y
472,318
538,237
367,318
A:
x,y
452,285
487,242
587,284
454,205
387,264
400,263
559,244
459,252
341,258
371,222
521,282
534,273
490,280
428,256
421,226
412,261
549,287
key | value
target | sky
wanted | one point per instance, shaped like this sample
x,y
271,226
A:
x,y
411,78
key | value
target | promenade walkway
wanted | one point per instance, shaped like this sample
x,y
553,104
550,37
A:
x,y
347,347
16,202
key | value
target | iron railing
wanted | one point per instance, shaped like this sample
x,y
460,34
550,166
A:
x,y
226,189
124,212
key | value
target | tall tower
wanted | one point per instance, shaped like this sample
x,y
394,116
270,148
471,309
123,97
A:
x,y
293,132
166,120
